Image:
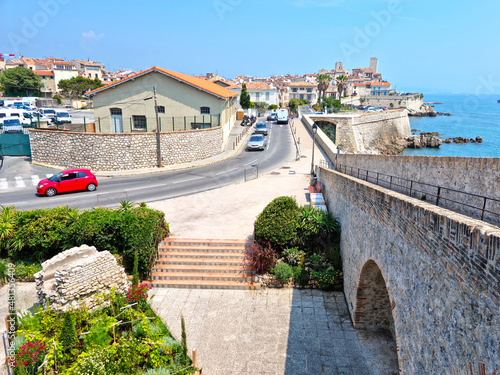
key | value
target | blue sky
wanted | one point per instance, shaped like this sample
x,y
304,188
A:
x,y
422,45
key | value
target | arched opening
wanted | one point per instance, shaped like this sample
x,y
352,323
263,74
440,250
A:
x,y
329,128
373,306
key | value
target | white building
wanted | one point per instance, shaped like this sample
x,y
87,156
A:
x,y
259,92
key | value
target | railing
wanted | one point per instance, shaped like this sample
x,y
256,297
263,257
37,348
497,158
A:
x,y
438,195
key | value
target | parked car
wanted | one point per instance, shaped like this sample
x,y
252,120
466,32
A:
x,y
11,125
67,181
283,116
256,142
261,128
272,117
62,117
47,112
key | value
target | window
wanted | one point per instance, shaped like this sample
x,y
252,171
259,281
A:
x,y
294,90
81,174
116,111
301,96
309,97
257,96
139,122
267,95
205,110
294,96
309,90
161,109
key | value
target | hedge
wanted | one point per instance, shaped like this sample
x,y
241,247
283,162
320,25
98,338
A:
x,y
38,235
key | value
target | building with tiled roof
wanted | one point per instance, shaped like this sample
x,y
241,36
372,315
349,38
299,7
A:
x,y
259,92
89,69
184,102
372,88
303,90
47,80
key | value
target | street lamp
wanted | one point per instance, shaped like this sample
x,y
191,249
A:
x,y
314,130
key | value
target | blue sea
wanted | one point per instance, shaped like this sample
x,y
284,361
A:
x,y
471,115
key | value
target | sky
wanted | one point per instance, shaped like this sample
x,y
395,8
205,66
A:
x,y
422,45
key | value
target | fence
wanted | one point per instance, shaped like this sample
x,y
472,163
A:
x,y
474,205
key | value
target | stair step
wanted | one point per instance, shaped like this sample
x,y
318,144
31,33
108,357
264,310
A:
x,y
198,268
204,242
200,248
200,261
202,254
219,276
205,284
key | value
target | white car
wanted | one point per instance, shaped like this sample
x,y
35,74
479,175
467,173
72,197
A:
x,y
256,142
61,117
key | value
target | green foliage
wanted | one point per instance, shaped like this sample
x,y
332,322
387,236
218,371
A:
x,y
25,272
294,103
328,278
261,257
58,98
68,337
4,265
244,97
261,106
391,105
316,229
278,222
20,81
135,272
272,107
126,204
292,256
138,293
301,277
76,87
28,358
283,271
183,338
157,371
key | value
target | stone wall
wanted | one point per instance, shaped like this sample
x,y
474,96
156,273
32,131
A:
x,y
441,271
410,102
372,133
465,174
110,152
75,277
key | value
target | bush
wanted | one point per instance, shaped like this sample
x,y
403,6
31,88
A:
x,y
68,337
301,277
25,271
317,229
292,256
326,279
283,271
261,257
277,223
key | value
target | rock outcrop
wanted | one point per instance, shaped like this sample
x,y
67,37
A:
x,y
426,111
461,140
75,278
422,140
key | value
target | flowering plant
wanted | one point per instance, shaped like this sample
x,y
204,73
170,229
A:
x,y
28,357
138,293
326,279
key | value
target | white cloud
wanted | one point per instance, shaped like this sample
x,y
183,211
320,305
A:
x,y
92,35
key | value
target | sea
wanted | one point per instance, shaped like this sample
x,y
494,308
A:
x,y
471,115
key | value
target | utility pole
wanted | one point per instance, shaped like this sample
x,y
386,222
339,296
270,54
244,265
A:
x,y
158,148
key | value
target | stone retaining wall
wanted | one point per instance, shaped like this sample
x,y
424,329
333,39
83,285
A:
x,y
111,152
441,273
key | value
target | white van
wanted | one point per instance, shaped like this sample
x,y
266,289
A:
x,y
23,116
282,116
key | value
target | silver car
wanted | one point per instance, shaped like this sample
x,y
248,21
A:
x,y
261,128
256,142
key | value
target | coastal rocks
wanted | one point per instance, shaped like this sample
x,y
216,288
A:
x,y
422,140
426,111
461,140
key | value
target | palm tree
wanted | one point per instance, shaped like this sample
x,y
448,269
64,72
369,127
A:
x,y
340,83
323,83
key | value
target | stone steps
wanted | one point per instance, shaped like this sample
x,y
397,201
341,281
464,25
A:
x,y
202,264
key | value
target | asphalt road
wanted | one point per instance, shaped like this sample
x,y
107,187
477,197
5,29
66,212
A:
x,y
18,178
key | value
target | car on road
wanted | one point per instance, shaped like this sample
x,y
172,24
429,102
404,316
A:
x,y
67,181
260,128
62,117
256,142
272,117
283,116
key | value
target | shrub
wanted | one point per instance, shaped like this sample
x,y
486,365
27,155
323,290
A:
x,y
326,279
138,293
261,257
283,271
317,229
277,223
68,337
157,371
26,271
135,272
3,270
29,357
301,277
292,256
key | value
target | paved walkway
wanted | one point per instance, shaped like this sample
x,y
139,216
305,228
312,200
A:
x,y
270,331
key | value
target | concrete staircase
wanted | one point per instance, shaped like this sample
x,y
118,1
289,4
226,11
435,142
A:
x,y
208,264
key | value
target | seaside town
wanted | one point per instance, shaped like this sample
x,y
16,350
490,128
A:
x,y
224,209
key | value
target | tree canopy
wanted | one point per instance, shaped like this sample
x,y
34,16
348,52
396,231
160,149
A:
x,y
341,81
76,87
245,98
20,81
323,83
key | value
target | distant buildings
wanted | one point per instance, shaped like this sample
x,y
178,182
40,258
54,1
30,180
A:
x,y
259,92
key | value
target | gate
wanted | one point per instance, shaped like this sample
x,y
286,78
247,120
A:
x,y
15,144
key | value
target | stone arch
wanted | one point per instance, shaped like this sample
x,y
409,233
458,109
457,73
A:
x,y
373,309
328,126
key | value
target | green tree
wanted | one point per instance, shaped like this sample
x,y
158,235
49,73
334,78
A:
x,y
323,83
272,107
68,338
245,98
261,106
76,87
20,81
340,82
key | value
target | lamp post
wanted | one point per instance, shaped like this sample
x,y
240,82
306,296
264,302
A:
x,y
314,131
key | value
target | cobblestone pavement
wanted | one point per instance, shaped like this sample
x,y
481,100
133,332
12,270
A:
x,y
273,331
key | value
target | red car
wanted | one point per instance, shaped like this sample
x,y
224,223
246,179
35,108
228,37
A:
x,y
66,181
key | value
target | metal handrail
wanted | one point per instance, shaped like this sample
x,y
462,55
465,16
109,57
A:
x,y
395,183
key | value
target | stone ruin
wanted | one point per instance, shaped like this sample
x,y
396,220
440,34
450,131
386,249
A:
x,y
75,277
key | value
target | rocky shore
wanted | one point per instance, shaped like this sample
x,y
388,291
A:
x,y
426,111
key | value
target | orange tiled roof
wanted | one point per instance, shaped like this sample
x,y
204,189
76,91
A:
x,y
207,86
303,84
255,86
381,84
63,63
44,72
88,63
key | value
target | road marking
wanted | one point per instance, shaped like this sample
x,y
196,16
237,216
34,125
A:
x,y
14,203
146,187
253,161
190,179
229,170
35,179
4,184
19,182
